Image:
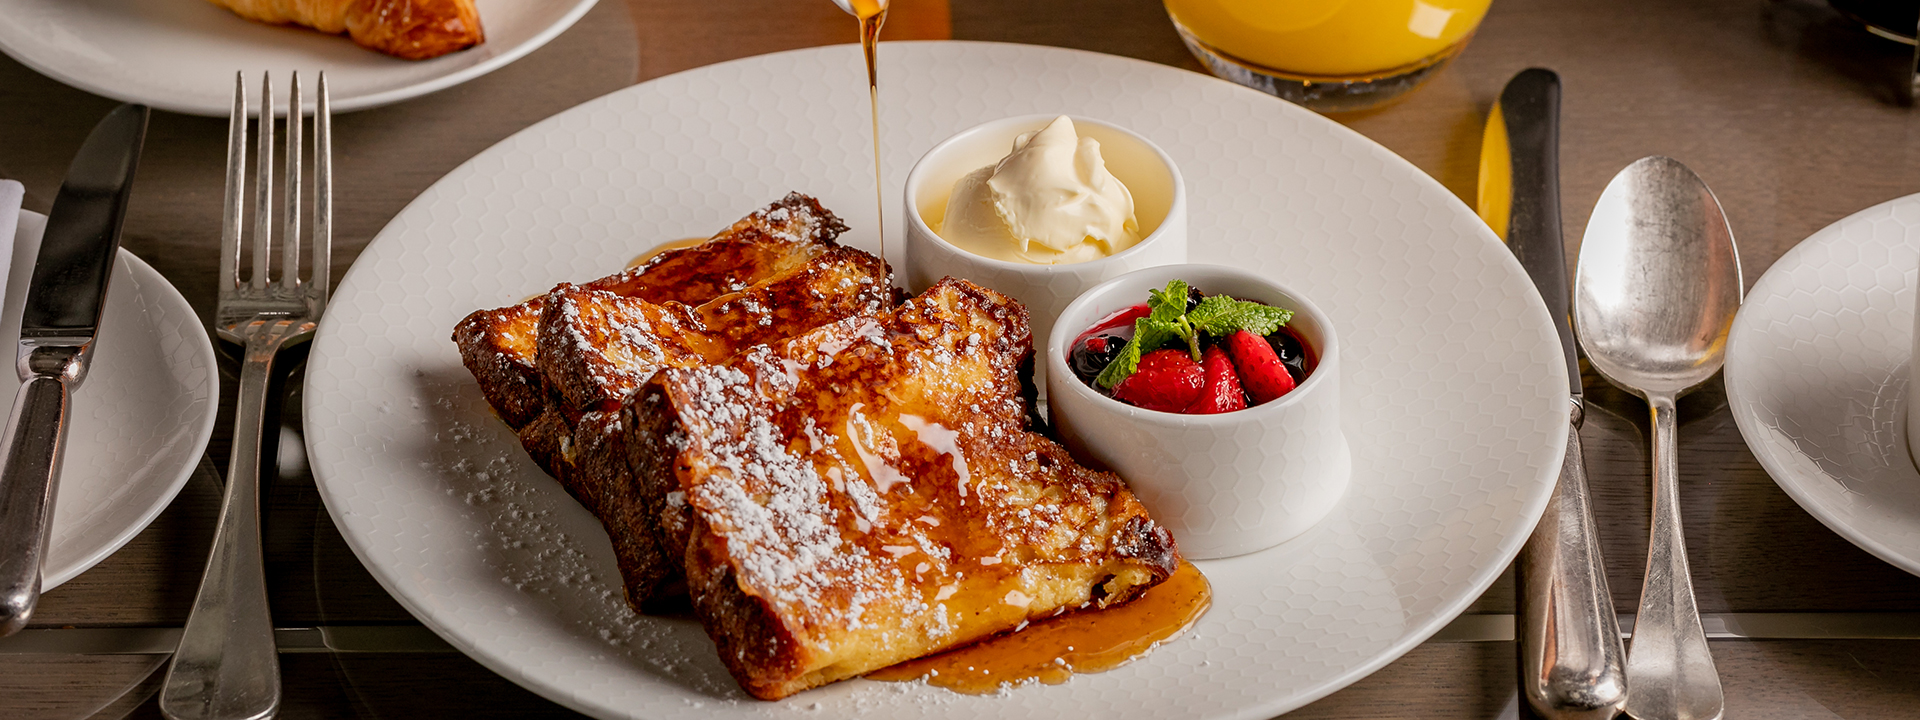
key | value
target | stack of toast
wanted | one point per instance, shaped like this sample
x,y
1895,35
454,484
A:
x,y
839,481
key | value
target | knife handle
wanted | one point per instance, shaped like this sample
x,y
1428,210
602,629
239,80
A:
x,y
1530,111
1571,661
35,435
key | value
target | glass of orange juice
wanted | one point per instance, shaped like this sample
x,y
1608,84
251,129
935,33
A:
x,y
1329,55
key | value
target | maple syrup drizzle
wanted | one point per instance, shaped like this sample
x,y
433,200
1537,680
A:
x,y
655,251
873,14
1055,649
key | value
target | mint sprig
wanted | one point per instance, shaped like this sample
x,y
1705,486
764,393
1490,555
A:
x,y
1168,320
1222,315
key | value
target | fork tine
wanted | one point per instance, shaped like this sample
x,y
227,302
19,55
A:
x,y
290,234
322,199
233,209
263,187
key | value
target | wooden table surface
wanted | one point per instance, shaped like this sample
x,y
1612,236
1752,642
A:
x,y
1789,111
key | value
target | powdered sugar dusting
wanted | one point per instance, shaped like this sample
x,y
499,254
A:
x,y
539,543
764,500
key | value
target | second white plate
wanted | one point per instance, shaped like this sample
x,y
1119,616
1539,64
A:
x,y
180,55
1455,387
141,417
1817,377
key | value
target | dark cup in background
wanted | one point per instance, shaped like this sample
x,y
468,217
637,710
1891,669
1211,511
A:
x,y
1890,19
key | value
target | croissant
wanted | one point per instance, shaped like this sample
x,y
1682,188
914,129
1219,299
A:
x,y
409,29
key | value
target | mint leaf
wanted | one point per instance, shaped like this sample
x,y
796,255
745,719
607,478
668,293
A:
x,y
1169,308
1168,304
1220,315
1148,335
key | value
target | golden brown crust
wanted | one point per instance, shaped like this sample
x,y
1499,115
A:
x,y
835,283
768,242
596,348
544,438
557,367
500,346
867,493
415,29
840,483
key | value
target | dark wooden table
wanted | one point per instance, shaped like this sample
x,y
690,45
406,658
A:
x,y
1789,111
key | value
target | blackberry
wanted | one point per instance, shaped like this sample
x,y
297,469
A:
x,y
1292,354
1094,354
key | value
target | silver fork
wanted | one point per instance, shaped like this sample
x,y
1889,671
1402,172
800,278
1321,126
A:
x,y
226,666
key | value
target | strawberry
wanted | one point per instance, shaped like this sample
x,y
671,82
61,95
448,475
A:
x,y
1167,380
1261,372
1222,392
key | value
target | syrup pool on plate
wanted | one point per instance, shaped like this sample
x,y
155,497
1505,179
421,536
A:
x,y
1054,650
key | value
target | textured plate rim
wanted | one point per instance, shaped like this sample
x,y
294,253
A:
x,y
342,105
1772,456
1506,550
171,301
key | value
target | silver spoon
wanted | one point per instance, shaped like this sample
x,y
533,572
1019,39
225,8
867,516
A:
x,y
1655,292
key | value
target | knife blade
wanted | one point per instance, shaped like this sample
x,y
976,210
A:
x,y
1571,658
57,328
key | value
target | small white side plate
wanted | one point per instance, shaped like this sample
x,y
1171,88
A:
x,y
180,55
1817,377
141,418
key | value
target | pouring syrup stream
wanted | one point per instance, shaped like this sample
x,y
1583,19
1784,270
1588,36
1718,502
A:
x,y
873,14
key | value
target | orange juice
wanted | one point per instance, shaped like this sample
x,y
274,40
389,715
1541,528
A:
x,y
1330,38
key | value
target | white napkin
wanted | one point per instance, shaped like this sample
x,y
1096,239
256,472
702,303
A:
x,y
11,193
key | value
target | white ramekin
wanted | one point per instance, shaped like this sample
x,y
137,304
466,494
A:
x,y
1160,201
1226,484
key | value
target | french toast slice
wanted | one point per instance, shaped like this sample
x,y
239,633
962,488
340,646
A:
x,y
596,348
499,346
868,493
556,368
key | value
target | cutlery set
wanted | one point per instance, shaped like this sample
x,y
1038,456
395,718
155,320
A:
x,y
226,664
1656,290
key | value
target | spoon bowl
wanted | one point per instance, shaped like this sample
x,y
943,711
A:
x,y
1658,281
1656,291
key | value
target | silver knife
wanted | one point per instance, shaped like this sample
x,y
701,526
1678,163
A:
x,y
1571,660
57,329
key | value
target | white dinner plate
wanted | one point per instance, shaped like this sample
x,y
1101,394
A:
x,y
141,417
180,55
1455,387
1817,377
